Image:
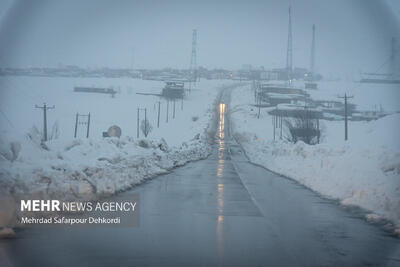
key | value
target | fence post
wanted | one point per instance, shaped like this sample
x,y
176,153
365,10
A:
x,y
158,115
88,126
138,123
145,122
274,119
76,124
167,109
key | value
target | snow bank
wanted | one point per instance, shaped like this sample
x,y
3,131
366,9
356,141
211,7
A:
x,y
85,167
90,169
364,171
67,168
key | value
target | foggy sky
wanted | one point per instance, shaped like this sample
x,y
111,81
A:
x,y
352,35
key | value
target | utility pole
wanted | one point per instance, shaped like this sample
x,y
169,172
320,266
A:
x,y
88,126
145,122
158,115
345,97
167,109
76,124
137,127
44,108
312,63
193,63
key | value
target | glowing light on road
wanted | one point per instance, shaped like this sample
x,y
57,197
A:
x,y
221,120
220,186
220,167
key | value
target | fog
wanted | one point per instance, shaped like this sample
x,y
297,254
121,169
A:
x,y
261,163
351,36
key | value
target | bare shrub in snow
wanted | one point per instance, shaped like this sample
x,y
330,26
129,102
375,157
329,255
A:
x,y
303,127
55,131
146,127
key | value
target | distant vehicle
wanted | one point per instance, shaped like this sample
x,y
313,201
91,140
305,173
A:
x,y
173,89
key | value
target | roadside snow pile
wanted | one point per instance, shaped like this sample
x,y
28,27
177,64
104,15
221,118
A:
x,y
67,169
86,167
368,178
365,171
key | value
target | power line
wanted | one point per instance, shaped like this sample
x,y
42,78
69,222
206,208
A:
x,y
5,116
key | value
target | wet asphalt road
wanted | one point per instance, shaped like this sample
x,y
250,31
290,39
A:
x,y
222,211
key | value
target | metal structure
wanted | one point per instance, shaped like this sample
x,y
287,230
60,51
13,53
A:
x,y
193,63
44,108
289,52
312,63
80,122
345,115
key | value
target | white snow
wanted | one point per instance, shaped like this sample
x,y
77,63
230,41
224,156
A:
x,y
96,166
364,171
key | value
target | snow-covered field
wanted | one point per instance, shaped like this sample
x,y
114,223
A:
x,y
96,166
364,171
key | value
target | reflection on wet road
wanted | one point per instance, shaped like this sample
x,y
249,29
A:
x,y
220,185
220,211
